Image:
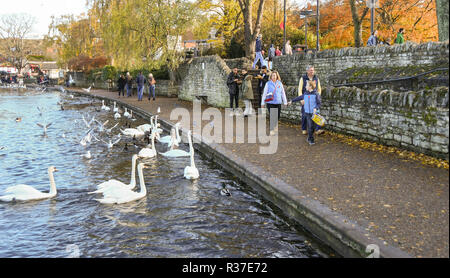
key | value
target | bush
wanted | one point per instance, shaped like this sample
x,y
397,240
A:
x,y
109,72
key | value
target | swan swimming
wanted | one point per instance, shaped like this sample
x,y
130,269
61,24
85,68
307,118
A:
x,y
126,114
174,152
191,172
117,115
167,139
23,192
122,195
115,109
110,184
149,152
87,155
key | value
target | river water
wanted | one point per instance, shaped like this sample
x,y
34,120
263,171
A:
x,y
177,218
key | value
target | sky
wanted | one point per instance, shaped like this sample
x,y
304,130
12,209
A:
x,y
42,10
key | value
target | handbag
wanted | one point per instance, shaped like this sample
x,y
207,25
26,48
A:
x,y
270,96
319,120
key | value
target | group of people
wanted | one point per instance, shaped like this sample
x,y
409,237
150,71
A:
x,y
272,96
374,40
273,52
126,83
8,79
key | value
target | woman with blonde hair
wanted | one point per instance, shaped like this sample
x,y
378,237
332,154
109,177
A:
x,y
274,95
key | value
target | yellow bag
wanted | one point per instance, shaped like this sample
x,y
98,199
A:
x,y
319,120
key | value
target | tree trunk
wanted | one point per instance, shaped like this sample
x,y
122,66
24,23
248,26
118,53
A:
x,y
250,32
357,22
442,17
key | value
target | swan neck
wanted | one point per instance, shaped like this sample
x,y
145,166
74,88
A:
x,y
133,171
191,150
177,133
52,183
143,189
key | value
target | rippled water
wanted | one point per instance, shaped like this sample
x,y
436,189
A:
x,y
178,218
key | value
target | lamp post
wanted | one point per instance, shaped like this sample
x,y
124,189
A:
x,y
317,15
284,29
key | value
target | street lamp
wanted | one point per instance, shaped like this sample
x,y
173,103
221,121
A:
x,y
317,14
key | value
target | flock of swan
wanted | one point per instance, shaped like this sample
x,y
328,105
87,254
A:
x,y
114,191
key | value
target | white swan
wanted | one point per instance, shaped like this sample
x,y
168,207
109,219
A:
x,y
23,192
174,152
156,125
122,195
104,107
117,115
115,109
146,127
87,155
109,185
88,89
149,152
191,172
126,114
167,139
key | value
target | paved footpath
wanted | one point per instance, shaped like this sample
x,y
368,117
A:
x,y
401,201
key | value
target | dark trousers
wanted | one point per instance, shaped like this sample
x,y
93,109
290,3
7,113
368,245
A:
x,y
122,90
304,121
235,98
275,117
311,126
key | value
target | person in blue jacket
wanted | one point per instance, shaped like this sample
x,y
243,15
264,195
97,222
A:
x,y
311,102
258,50
274,96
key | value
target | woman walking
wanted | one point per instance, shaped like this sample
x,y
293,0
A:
x,y
274,95
129,85
151,86
247,92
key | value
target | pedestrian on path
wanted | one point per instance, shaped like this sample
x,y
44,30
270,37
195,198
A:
x,y
288,48
233,82
273,96
258,49
247,92
400,39
373,39
263,78
271,55
308,76
140,82
311,102
278,52
151,86
121,83
129,85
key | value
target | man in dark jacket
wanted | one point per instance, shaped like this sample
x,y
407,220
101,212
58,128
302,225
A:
x,y
258,50
140,81
121,85
233,82
263,78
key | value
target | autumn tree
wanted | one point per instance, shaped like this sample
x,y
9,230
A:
x,y
251,31
358,16
14,28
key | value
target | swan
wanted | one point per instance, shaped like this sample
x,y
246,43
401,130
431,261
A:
x,y
88,89
122,195
156,125
109,185
23,192
132,132
87,155
103,105
146,127
117,115
167,139
109,144
191,172
131,116
115,109
149,152
126,114
175,152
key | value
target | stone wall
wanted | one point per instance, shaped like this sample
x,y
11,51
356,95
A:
x,y
417,121
330,62
206,76
239,63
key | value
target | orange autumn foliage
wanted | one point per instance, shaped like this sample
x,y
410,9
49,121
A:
x,y
417,17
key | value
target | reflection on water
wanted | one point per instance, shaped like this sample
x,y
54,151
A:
x,y
178,218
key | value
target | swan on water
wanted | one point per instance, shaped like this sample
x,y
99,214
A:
x,y
115,109
110,184
167,139
23,192
103,105
149,151
126,114
146,127
117,115
174,152
87,155
122,195
191,172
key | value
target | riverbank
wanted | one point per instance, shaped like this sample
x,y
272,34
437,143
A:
x,y
347,196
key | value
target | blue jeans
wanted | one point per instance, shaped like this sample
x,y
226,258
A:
x,y
128,90
311,126
140,90
304,121
259,57
151,91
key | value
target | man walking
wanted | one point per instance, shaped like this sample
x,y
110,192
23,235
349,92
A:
x,y
258,50
140,81
309,76
233,86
